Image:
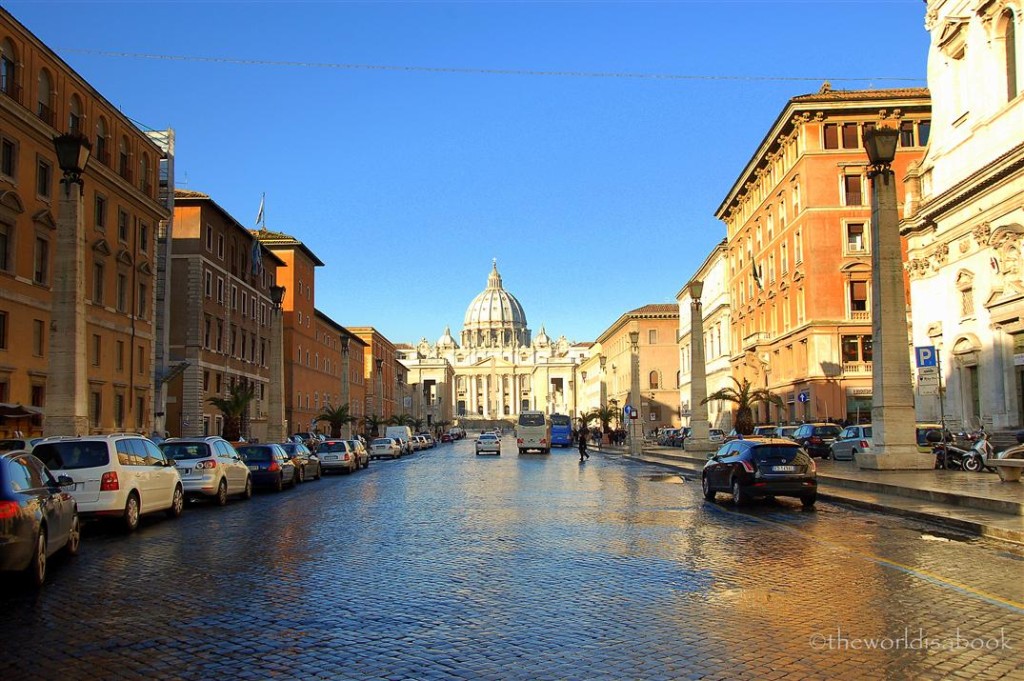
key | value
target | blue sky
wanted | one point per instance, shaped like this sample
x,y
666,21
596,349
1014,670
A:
x,y
595,194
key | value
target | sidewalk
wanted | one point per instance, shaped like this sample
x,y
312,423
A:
x,y
978,503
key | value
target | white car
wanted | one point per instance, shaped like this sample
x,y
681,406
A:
x,y
385,447
209,467
116,476
489,443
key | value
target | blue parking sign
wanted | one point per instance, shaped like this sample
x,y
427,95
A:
x,y
925,355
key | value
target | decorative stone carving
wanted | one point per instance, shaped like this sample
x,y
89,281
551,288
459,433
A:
x,y
981,233
965,245
930,17
941,254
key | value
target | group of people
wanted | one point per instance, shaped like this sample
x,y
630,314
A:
x,y
595,436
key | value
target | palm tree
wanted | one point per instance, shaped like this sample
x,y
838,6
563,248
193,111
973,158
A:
x,y
337,417
606,415
400,420
745,396
373,424
234,407
442,426
417,425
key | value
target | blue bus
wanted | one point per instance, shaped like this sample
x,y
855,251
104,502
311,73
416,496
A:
x,y
561,430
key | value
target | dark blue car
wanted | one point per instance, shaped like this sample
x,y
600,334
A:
x,y
269,465
38,517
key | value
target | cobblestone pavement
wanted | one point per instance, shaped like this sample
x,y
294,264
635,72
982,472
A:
x,y
445,565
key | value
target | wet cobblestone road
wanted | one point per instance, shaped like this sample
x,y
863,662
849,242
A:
x,y
445,565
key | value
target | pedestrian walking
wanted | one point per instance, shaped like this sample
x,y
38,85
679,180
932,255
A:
x,y
583,445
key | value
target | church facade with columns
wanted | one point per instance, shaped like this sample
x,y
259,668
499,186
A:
x,y
495,368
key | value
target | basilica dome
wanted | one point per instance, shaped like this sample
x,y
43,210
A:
x,y
495,317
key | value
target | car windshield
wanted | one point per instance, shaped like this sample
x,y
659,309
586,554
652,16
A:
x,y
775,454
867,431
291,449
383,442
185,450
332,447
72,455
826,430
255,453
488,436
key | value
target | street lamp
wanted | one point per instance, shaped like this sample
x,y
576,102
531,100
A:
x,y
345,398
894,443
699,426
379,362
634,391
67,410
276,427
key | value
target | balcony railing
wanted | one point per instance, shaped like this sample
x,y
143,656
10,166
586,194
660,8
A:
x,y
125,172
857,368
755,338
103,155
860,316
11,89
44,113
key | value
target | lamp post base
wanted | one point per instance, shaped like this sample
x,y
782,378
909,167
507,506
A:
x,y
897,458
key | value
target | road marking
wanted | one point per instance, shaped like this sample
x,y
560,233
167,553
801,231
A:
x,y
1015,606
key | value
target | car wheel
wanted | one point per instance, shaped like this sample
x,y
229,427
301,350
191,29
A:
x,y
300,475
808,500
320,472
705,486
349,469
738,496
279,485
177,503
37,568
222,493
247,492
131,513
74,537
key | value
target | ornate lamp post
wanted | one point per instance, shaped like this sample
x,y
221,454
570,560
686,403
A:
x,y
894,442
67,408
277,429
699,426
345,398
603,397
634,392
380,389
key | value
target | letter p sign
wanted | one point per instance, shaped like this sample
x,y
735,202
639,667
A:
x,y
925,355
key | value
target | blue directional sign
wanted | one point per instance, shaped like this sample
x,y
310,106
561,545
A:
x,y
925,355
803,397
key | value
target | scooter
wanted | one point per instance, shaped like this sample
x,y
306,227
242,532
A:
x,y
947,455
977,459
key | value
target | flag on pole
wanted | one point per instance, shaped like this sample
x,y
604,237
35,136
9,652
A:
x,y
259,215
257,257
756,271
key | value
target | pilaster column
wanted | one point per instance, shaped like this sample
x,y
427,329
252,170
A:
x,y
275,388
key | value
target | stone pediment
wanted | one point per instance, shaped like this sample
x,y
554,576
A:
x,y
45,218
497,363
102,247
123,256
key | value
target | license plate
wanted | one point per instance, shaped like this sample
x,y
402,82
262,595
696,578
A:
x,y
784,469
254,468
330,458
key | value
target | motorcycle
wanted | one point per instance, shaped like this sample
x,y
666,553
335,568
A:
x,y
947,455
977,458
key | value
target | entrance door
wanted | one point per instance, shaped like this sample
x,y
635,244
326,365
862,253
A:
x,y
973,396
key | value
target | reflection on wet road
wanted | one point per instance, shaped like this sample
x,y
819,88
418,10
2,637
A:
x,y
445,565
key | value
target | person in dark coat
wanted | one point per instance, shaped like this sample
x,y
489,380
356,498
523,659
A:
x,y
583,445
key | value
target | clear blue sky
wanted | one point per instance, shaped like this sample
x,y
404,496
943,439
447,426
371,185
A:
x,y
595,194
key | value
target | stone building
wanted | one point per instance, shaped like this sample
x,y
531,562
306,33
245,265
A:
x,y
964,215
498,368
106,257
220,331
799,253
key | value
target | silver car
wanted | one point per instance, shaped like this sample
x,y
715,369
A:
x,y
362,454
488,443
385,447
209,467
338,455
852,441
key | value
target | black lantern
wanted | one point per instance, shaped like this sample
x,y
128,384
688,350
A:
x,y
344,344
73,151
634,339
277,296
696,288
880,144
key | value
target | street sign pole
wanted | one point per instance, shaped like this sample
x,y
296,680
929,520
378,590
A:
x,y
942,405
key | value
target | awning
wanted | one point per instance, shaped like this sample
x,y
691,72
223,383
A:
x,y
18,411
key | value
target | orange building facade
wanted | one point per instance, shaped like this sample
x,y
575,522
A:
x,y
220,331
658,359
40,98
799,251
380,367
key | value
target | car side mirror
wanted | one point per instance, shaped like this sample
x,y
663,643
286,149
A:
x,y
712,456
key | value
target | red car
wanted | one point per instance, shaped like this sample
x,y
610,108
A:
x,y
445,437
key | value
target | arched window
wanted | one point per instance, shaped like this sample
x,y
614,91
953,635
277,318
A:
x,y
102,146
75,114
1008,34
8,77
44,97
144,174
123,169
653,378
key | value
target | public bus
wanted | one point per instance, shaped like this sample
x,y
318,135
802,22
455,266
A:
x,y
561,430
533,431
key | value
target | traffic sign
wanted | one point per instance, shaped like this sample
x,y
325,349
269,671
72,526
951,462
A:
x,y
925,355
929,371
803,397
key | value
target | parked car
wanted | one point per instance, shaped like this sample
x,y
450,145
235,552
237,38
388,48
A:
x,y
853,440
269,466
38,516
817,438
21,444
446,437
761,467
307,438
716,435
385,447
209,468
362,453
488,443
785,432
339,455
307,464
763,431
431,442
120,475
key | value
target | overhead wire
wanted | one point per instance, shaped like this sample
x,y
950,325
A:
x,y
479,71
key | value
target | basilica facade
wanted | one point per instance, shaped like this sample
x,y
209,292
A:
x,y
495,368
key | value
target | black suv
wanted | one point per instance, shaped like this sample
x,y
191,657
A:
x,y
817,438
761,467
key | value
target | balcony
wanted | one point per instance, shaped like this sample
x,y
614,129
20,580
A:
x,y
44,113
755,338
11,89
860,316
857,368
103,155
125,172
